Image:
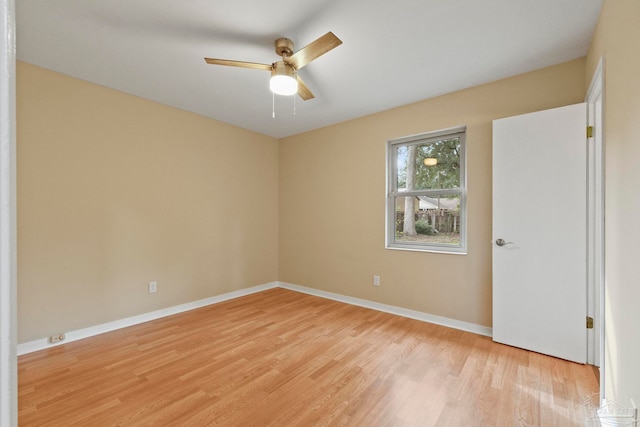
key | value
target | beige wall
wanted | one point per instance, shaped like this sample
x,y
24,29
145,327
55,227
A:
x,y
332,198
618,39
115,191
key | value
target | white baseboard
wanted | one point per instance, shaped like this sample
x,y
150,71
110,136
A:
x,y
43,343
399,311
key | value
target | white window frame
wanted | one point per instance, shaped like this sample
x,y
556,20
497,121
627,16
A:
x,y
392,191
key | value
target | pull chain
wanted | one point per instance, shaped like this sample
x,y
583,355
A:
x,y
295,95
273,105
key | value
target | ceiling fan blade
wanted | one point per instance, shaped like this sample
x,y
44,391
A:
x,y
303,90
313,50
242,64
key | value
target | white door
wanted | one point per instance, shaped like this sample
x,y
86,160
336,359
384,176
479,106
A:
x,y
539,232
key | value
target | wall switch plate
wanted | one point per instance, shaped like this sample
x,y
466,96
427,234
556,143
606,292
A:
x,y
376,280
153,287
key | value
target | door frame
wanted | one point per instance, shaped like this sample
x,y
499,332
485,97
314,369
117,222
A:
x,y
8,299
596,221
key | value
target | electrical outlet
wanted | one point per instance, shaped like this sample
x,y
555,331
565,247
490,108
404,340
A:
x,y
56,338
376,280
153,287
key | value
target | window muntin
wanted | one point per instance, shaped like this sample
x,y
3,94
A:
x,y
427,177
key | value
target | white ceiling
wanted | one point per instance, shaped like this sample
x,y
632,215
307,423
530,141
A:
x,y
393,52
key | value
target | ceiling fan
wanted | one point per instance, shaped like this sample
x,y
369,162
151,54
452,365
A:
x,y
284,74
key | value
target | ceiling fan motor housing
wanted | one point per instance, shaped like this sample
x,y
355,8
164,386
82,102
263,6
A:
x,y
281,68
284,47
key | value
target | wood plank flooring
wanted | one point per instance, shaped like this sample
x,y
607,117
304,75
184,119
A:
x,y
281,358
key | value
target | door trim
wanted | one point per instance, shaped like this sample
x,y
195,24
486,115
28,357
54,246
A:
x,y
596,224
8,299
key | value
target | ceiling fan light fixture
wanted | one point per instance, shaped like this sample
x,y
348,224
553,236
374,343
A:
x,y
283,80
430,161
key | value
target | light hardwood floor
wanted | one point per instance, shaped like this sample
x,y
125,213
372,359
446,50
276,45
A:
x,y
281,358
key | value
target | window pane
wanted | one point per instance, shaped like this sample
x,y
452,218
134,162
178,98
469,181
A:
x,y
426,208
435,220
433,165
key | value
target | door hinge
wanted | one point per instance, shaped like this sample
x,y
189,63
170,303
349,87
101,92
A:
x,y
589,322
589,131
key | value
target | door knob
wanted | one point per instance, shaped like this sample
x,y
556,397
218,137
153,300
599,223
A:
x,y
502,242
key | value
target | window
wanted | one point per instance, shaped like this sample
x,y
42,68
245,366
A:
x,y
426,194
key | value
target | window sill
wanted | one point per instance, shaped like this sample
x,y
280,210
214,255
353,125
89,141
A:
x,y
460,251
